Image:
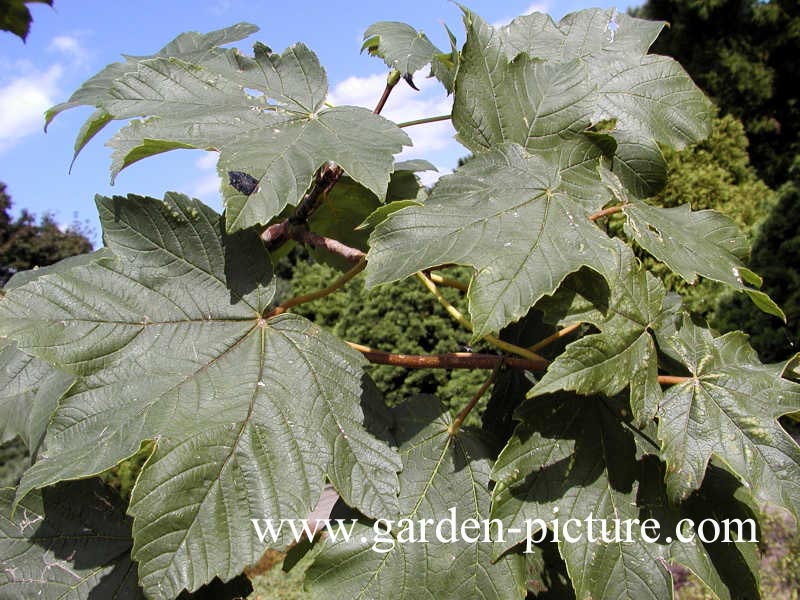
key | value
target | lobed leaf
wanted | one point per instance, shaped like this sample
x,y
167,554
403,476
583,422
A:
x,y
576,458
583,34
693,243
189,47
507,214
399,45
169,338
284,153
728,408
193,94
623,354
533,103
538,83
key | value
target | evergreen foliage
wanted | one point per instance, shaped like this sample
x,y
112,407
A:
x,y
776,255
402,319
26,243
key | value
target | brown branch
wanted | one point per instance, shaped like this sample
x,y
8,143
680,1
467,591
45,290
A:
x,y
466,360
672,379
331,245
456,424
326,178
276,234
283,307
386,91
606,211
453,360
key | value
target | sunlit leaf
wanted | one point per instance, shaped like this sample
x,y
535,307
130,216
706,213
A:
x,y
507,214
172,344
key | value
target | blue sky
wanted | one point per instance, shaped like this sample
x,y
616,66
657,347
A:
x,y
76,38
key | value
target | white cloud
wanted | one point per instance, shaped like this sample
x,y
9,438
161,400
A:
x,y
220,7
542,7
206,186
27,91
428,178
23,101
358,91
406,104
208,160
71,48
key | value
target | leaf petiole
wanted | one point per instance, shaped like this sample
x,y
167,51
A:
x,y
424,121
467,324
455,426
327,291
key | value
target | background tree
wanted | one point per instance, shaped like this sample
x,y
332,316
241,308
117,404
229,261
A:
x,y
26,242
775,256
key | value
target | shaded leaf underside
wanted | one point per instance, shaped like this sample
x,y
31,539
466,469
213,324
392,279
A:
x,y
573,458
728,408
441,473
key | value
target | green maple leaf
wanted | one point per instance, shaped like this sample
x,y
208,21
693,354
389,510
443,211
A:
x,y
525,100
190,46
170,343
537,83
693,243
576,458
506,213
407,50
198,97
728,408
441,473
583,34
623,354
399,45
